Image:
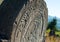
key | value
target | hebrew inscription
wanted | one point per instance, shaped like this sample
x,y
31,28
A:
x,y
31,24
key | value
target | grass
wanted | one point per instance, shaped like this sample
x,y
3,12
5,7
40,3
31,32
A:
x,y
56,32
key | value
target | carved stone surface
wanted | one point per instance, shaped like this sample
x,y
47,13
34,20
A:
x,y
31,26
30,23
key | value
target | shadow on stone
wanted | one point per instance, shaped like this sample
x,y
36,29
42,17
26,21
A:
x,y
9,10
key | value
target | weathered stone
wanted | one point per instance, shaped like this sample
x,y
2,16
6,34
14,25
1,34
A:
x,y
4,41
23,20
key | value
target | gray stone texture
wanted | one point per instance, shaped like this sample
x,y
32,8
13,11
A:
x,y
23,20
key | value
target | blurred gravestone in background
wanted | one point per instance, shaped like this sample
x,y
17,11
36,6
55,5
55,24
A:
x,y
23,20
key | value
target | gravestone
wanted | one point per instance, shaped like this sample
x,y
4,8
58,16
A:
x,y
23,20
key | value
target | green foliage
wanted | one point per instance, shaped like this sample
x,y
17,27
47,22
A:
x,y
57,33
52,24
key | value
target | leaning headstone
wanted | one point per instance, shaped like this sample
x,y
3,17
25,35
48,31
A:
x,y
23,20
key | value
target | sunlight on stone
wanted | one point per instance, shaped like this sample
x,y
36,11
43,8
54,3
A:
x,y
1,1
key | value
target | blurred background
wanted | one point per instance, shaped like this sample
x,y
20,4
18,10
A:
x,y
53,29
